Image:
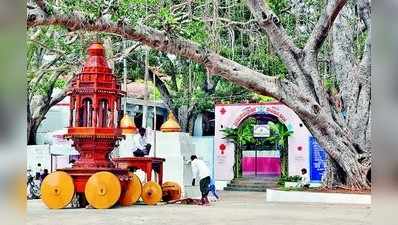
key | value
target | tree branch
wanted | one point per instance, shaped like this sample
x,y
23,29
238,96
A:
x,y
281,89
364,12
43,6
227,22
313,45
174,45
284,46
358,106
359,78
37,79
59,52
126,52
164,91
323,26
269,22
62,94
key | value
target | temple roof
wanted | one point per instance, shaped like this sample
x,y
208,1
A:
x,y
96,62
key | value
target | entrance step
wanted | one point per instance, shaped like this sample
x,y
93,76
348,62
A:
x,y
252,184
258,178
245,189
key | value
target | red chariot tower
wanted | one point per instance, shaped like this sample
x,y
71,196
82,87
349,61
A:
x,y
95,99
94,111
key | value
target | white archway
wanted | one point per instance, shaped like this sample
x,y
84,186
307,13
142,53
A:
x,y
231,115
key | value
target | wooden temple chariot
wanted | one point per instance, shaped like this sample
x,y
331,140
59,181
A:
x,y
95,109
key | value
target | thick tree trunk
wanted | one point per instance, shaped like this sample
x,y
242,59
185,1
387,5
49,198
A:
x,y
185,118
182,114
33,126
341,148
37,108
312,104
191,123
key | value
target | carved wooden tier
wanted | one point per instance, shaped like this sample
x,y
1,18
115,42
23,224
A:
x,y
94,110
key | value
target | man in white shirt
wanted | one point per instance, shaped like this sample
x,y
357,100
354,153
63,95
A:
x,y
200,169
305,179
142,148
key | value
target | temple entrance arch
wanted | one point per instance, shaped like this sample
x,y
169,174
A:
x,y
232,115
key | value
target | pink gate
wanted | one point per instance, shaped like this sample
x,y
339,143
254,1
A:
x,y
262,163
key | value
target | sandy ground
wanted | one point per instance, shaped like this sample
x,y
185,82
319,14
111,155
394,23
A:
x,y
248,208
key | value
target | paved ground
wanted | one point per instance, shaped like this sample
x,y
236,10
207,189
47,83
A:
x,y
248,208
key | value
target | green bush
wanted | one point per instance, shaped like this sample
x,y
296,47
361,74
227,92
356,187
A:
x,y
283,179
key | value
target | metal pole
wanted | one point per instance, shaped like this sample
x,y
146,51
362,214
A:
x,y
125,78
154,119
145,108
154,114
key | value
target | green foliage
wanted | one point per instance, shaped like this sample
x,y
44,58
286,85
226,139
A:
x,y
284,178
240,136
279,134
195,31
278,5
360,44
50,57
188,84
186,88
329,83
279,137
262,98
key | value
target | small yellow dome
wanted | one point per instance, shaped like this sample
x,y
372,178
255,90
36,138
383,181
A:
x,y
127,124
171,125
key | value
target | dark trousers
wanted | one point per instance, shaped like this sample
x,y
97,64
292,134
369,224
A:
x,y
142,152
204,186
139,153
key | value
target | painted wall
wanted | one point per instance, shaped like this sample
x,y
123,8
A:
x,y
57,118
204,150
51,157
230,116
175,147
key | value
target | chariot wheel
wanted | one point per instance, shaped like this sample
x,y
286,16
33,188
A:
x,y
132,192
57,190
171,191
102,190
151,193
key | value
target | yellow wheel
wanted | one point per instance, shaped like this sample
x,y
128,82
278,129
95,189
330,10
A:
x,y
171,191
102,190
133,191
151,193
57,190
